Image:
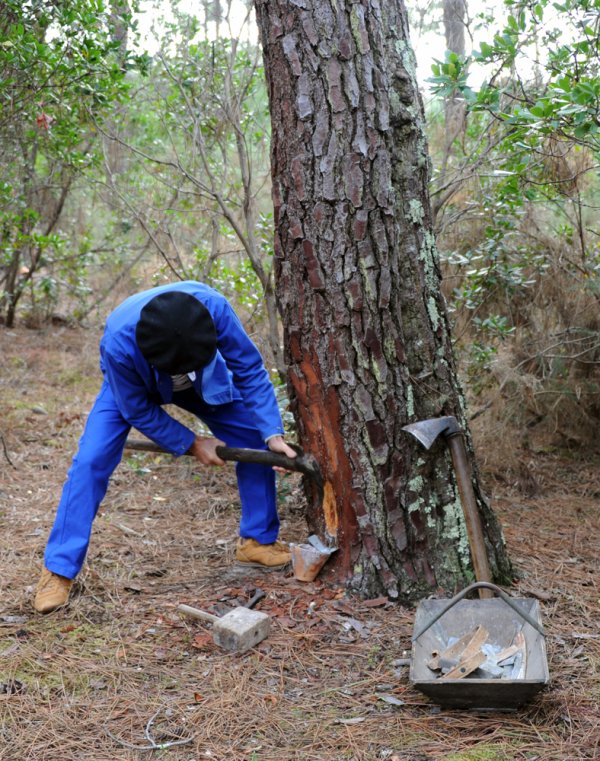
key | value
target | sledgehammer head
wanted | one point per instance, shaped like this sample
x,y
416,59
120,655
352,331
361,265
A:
x,y
241,629
238,630
427,431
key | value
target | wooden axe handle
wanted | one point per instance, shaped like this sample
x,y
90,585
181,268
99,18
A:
x,y
473,525
258,456
233,454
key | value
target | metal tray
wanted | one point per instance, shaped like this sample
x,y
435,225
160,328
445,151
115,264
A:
x,y
438,621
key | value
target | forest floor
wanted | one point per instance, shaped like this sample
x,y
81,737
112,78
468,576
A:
x,y
119,674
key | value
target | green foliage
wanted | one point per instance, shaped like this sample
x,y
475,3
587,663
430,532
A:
x,y
239,283
195,156
61,69
450,76
563,96
58,60
107,153
515,192
197,125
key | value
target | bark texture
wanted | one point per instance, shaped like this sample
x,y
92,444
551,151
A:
x,y
366,335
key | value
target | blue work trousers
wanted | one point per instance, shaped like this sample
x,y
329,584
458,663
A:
x,y
100,451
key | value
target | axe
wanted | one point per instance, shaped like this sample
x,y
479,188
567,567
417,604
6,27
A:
x,y
302,463
426,432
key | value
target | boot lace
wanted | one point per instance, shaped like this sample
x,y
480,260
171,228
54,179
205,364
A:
x,y
51,582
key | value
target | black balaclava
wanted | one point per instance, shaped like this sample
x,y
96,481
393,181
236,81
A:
x,y
176,333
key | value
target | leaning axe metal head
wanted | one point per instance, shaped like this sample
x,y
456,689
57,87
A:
x,y
426,432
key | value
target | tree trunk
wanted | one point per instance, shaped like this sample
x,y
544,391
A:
x,y
455,12
365,328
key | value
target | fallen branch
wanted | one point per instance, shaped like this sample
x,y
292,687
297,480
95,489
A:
x,y
10,462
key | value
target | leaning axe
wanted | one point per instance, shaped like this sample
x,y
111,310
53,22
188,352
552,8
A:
x,y
426,432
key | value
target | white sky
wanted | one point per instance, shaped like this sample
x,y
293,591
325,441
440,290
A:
x,y
151,12
428,46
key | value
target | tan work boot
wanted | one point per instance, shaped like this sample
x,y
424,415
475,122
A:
x,y
52,592
250,552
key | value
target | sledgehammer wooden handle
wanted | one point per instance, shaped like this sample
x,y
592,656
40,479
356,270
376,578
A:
x,y
197,613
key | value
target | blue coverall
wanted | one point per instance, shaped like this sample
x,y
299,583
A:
x,y
233,395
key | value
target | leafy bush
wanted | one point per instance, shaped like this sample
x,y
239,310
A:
x,y
515,197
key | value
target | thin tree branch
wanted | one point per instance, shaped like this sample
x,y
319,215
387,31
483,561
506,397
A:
x,y
5,450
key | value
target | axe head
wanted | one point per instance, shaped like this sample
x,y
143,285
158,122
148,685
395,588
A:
x,y
427,431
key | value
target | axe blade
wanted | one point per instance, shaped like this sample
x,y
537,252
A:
x,y
427,431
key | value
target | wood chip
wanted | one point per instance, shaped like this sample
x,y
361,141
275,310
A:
x,y
465,647
465,667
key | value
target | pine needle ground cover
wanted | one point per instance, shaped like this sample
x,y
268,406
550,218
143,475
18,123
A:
x,y
120,674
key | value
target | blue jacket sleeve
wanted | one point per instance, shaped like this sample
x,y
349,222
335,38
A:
x,y
246,365
133,402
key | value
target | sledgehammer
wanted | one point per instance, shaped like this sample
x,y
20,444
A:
x,y
426,432
238,630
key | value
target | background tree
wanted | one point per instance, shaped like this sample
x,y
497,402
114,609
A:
x,y
367,339
455,19
58,64
195,177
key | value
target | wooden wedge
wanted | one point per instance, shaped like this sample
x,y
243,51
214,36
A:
x,y
469,644
465,666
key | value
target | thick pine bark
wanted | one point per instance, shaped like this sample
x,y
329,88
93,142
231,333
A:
x,y
358,285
